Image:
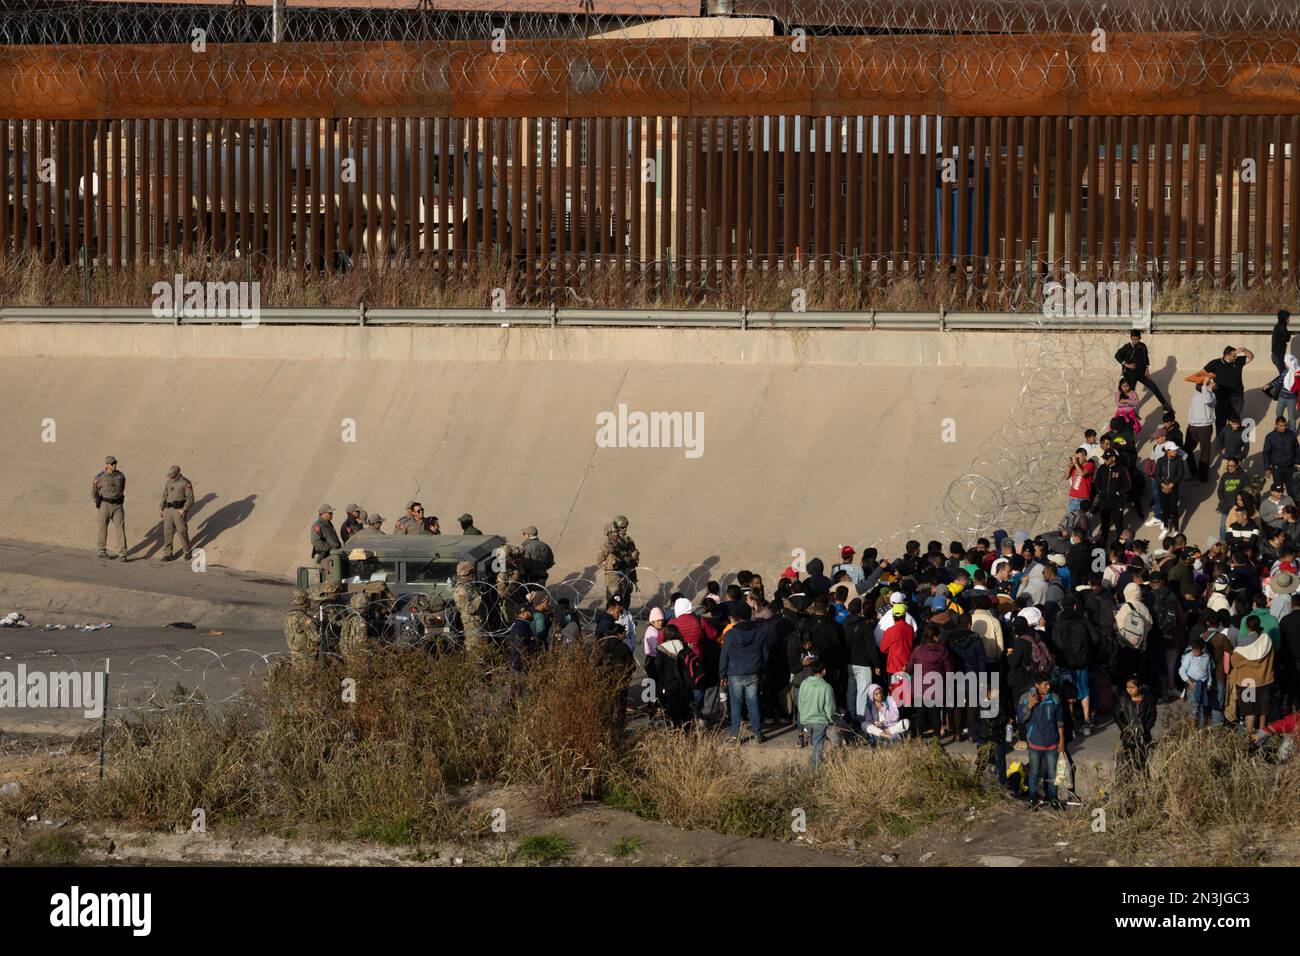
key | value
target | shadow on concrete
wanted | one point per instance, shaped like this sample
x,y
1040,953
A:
x,y
222,520
152,542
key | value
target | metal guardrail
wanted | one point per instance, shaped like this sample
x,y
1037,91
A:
x,y
656,318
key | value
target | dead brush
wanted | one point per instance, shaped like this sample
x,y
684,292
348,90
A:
x,y
862,791
1205,796
684,778
565,738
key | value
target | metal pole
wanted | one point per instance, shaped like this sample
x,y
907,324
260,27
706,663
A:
x,y
103,722
277,21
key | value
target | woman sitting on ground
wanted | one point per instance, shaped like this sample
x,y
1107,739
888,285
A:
x,y
881,721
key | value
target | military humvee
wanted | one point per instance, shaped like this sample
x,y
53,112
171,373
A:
x,y
409,563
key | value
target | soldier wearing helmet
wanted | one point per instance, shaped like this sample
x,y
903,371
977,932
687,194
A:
x,y
300,631
469,607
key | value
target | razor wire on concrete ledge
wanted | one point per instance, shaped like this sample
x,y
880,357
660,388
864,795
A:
x,y
1039,74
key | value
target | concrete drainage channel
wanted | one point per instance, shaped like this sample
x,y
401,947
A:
x,y
939,321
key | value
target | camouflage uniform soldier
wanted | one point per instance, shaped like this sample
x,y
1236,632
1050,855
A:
x,y
436,626
177,500
629,556
108,491
300,630
331,613
324,538
609,563
356,520
469,607
375,523
537,559
356,632
510,583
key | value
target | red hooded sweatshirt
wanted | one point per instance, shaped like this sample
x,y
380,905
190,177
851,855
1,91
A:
x,y
896,642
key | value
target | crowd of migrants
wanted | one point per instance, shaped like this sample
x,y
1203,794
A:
x,y
1016,643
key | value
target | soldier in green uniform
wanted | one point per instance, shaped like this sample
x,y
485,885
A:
x,y
108,491
467,524
300,631
537,558
177,500
609,563
629,558
324,538
469,607
355,633
511,590
332,612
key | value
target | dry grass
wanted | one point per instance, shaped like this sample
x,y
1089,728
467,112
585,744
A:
x,y
415,284
701,782
866,790
1205,797
387,766
565,739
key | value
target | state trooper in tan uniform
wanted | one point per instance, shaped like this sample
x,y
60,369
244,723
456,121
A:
x,y
108,491
300,631
469,607
375,523
324,539
177,500
413,521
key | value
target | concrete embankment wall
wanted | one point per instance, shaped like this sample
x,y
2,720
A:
x,y
811,438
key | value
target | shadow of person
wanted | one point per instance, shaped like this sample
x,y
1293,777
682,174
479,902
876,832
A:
x,y
153,539
223,519
1164,379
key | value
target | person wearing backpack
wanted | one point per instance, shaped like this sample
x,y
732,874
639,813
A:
x,y
1166,637
671,678
1133,625
1075,637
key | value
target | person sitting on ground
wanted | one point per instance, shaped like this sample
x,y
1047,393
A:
x,y
881,720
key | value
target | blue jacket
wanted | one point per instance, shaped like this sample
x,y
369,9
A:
x,y
744,652
1042,724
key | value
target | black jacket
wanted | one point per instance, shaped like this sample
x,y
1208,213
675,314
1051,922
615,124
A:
x,y
1280,448
859,635
1171,470
1074,636
967,650
817,582
1111,486
1079,561
1137,354
1279,340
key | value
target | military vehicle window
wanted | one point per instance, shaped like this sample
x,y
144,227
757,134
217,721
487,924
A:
x,y
431,572
368,569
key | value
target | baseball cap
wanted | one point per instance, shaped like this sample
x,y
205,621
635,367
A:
x,y
110,460
324,508
846,551
789,573
466,518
